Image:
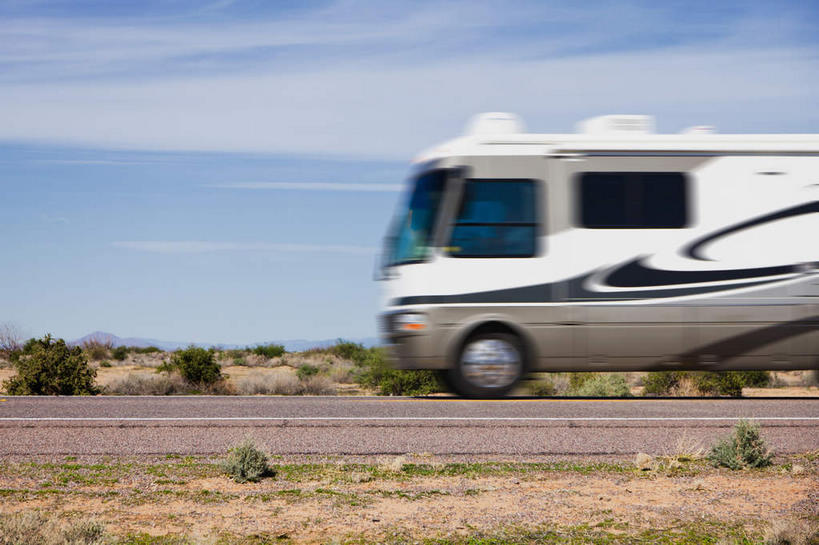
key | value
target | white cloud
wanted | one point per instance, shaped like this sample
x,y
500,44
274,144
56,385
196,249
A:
x,y
310,186
202,246
402,88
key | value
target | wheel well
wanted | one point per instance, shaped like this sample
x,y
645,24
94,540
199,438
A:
x,y
496,326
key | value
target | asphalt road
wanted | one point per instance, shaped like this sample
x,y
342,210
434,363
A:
x,y
374,426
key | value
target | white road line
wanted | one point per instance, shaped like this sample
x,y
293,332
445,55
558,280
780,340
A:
x,y
398,418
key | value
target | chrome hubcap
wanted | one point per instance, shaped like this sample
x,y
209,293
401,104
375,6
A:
x,y
490,363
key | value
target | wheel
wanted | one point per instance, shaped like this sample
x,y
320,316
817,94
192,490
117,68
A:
x,y
489,364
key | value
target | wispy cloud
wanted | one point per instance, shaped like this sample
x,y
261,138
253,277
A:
x,y
310,186
203,246
368,79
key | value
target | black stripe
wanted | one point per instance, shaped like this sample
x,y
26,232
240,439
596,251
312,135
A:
x,y
634,274
544,293
693,250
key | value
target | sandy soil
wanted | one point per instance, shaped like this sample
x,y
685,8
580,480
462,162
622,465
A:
x,y
312,511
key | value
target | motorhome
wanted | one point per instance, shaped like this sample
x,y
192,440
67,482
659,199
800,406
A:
x,y
610,249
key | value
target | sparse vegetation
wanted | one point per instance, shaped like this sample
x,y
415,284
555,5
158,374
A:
x,y
306,370
793,532
196,365
149,384
34,528
11,339
50,367
542,387
745,448
707,383
97,348
119,353
603,385
246,463
269,351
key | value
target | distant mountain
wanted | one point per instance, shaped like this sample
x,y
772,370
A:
x,y
291,345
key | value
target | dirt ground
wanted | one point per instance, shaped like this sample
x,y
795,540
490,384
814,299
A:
x,y
338,501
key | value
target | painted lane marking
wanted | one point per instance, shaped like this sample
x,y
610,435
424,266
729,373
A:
x,y
398,418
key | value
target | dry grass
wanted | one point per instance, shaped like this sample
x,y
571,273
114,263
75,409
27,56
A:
x,y
793,532
284,382
147,383
279,382
34,528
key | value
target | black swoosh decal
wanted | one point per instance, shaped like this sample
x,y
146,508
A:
x,y
694,249
543,293
634,274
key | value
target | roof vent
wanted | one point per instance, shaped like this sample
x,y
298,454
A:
x,y
617,124
495,123
699,129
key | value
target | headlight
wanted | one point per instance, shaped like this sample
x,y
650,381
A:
x,y
411,321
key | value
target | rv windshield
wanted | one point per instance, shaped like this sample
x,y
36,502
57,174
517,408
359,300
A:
x,y
411,234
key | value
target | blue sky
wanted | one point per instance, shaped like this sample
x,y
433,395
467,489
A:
x,y
224,171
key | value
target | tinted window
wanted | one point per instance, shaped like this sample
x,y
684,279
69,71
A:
x,y
633,200
412,233
496,218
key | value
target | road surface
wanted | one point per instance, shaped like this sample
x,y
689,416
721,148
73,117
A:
x,y
375,426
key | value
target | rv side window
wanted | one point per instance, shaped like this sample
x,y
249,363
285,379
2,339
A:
x,y
496,218
633,200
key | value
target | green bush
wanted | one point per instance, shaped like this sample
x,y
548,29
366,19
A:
x,y
49,367
105,363
350,351
661,382
269,350
755,379
745,448
542,388
375,372
246,463
719,383
97,349
119,353
576,380
709,383
603,385
196,365
240,361
306,370
144,349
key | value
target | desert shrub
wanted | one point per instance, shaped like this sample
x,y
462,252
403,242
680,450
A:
x,y
603,385
148,384
755,379
105,363
196,365
240,362
351,351
144,349
316,385
246,463
745,448
576,380
119,353
34,528
661,382
11,340
97,348
49,367
306,370
375,372
268,350
710,383
542,387
279,382
796,532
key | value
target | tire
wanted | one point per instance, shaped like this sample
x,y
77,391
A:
x,y
488,364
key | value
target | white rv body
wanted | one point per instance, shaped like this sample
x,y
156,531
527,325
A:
x,y
724,274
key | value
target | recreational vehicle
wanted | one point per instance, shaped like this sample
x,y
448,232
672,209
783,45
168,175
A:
x,y
611,249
